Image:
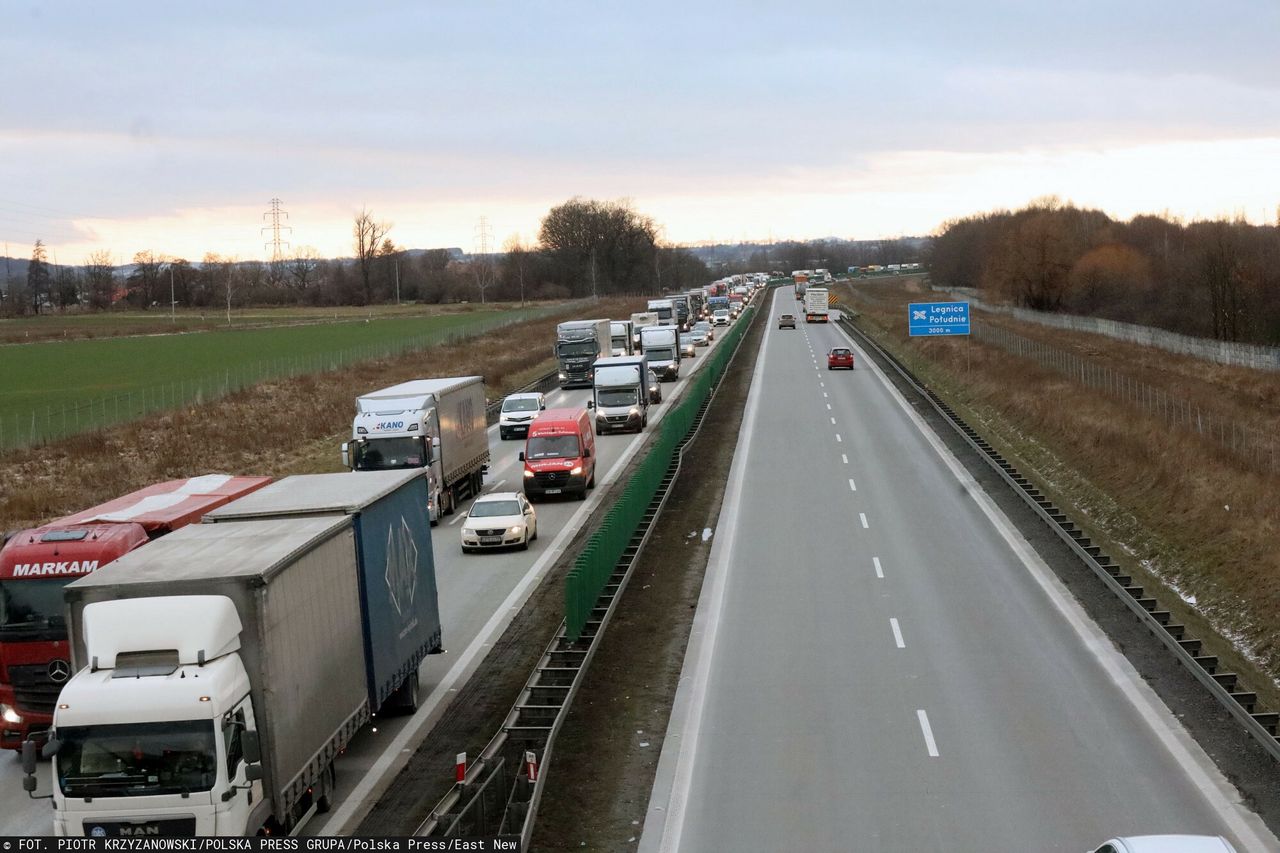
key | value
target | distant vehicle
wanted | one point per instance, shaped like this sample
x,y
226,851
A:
x,y
682,310
705,326
621,395
665,309
655,387
658,343
621,337
437,424
787,321
559,456
715,303
816,306
499,520
701,337
578,344
517,412
839,357
1168,844
721,317
638,322
688,349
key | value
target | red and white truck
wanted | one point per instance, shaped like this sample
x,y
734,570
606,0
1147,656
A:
x,y
36,564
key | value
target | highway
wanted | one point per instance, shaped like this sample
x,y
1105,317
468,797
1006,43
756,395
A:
x,y
880,662
479,595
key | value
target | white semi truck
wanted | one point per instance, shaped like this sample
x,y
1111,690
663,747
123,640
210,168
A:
x,y
437,424
220,672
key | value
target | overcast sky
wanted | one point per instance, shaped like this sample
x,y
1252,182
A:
x,y
169,127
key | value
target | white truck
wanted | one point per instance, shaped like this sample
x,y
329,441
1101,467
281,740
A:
x,y
621,397
815,305
622,337
638,322
665,309
221,670
437,424
578,344
659,346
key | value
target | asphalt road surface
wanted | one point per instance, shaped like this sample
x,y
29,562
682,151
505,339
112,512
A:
x,y
880,662
479,595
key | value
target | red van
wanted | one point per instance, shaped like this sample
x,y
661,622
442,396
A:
x,y
560,454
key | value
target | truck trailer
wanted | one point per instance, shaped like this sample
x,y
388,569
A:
x,y
815,305
37,564
436,424
220,673
578,344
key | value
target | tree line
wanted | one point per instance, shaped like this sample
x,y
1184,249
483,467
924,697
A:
x,y
584,247
1218,278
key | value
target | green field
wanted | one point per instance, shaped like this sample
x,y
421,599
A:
x,y
48,390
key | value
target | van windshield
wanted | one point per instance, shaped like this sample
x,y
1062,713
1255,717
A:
x,y
660,354
520,404
552,447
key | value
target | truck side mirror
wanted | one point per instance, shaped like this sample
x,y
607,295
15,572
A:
x,y
250,747
29,760
591,404
51,747
586,453
252,772
346,455
521,456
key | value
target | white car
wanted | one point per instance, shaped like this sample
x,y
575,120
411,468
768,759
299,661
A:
x,y
518,410
1168,844
721,317
499,520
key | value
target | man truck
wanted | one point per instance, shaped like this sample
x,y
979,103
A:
x,y
437,424
621,394
37,564
578,344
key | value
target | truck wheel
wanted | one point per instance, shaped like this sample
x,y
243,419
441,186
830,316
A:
x,y
406,699
446,502
329,781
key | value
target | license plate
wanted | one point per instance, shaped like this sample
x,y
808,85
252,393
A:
x,y
552,491
490,540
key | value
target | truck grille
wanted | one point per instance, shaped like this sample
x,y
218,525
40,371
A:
x,y
552,478
33,689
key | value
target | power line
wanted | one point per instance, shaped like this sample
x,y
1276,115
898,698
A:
x,y
275,228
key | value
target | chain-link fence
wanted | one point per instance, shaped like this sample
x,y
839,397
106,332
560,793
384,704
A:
x,y
43,425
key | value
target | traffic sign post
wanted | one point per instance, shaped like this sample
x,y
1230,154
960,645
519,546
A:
x,y
938,318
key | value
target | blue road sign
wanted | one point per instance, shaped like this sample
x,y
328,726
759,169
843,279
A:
x,y
938,318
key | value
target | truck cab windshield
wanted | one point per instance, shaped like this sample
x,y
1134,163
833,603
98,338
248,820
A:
x,y
385,454
570,348
613,398
552,447
137,759
32,606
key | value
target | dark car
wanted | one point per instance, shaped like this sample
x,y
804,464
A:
x,y
839,357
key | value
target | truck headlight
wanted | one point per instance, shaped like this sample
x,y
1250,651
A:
x,y
9,714
562,376
635,413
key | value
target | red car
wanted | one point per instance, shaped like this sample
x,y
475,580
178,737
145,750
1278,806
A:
x,y
839,357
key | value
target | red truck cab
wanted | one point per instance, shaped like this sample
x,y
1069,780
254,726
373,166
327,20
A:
x,y
35,565
560,454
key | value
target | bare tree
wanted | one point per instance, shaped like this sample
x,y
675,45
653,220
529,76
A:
x,y
369,236
302,267
100,279
517,257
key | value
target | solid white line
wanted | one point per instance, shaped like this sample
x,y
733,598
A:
x,y
929,742
862,516
879,571
457,517
838,439
494,487
897,634
844,458
853,487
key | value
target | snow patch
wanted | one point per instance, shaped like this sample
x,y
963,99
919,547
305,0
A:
x,y
706,533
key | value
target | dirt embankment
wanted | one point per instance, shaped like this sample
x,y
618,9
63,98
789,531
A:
x,y
289,426
1175,508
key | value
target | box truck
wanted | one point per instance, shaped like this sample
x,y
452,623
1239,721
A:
x,y
638,322
397,575
578,344
36,564
680,302
665,309
220,673
815,305
622,338
621,398
658,345
436,424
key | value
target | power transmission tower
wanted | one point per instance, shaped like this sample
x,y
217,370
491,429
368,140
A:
x,y
275,213
484,235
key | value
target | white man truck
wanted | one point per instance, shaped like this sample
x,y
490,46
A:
x,y
437,424
621,394
658,345
221,671
815,305
622,337
578,344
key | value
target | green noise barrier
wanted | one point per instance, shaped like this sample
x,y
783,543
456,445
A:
x,y
596,564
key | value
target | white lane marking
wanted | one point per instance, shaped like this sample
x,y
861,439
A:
x,y
844,458
494,487
458,517
929,742
862,516
825,395
853,487
822,385
897,634
1220,793
828,407
664,817
833,421
838,439
879,571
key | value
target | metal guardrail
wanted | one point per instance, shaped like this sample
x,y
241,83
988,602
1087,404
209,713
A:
x,y
543,384
1241,704
528,733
